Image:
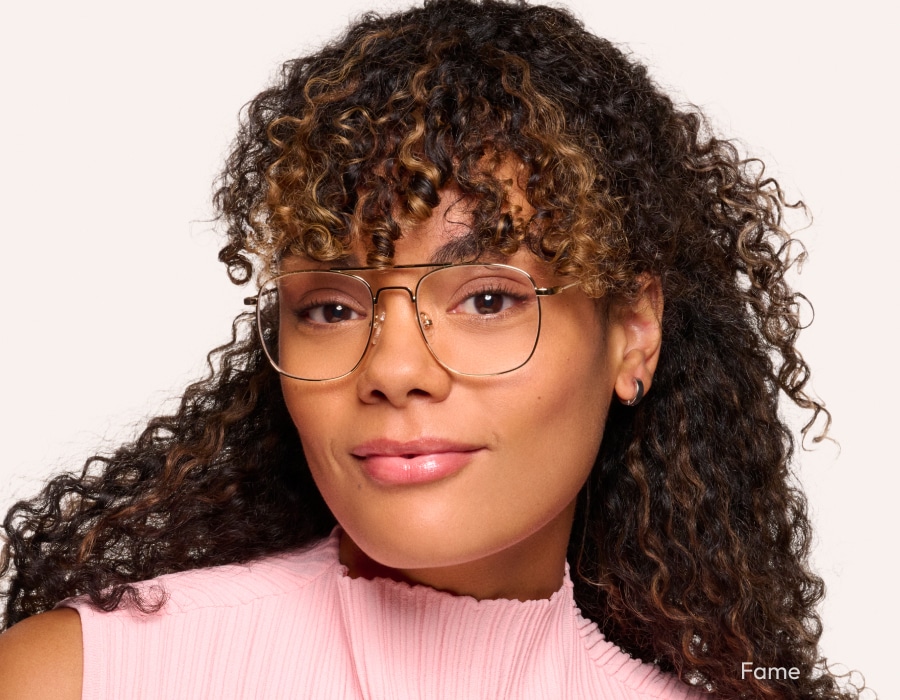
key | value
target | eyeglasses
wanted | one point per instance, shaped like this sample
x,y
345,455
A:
x,y
476,319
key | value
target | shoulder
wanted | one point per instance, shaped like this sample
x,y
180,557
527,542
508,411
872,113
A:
x,y
221,627
202,592
236,585
41,657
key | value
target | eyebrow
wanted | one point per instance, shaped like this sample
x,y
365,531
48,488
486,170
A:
x,y
464,247
461,248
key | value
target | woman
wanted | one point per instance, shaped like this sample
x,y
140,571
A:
x,y
515,309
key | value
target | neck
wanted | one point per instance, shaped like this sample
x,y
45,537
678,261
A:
x,y
531,569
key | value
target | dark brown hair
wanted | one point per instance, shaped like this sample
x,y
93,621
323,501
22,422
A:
x,y
691,537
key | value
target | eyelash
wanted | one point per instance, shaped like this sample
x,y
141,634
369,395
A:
x,y
302,313
493,290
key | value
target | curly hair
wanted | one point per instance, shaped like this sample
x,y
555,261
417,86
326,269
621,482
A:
x,y
691,538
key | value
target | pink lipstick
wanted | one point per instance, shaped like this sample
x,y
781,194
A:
x,y
396,463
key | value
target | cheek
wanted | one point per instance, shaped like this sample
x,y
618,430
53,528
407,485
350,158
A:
x,y
571,381
315,411
566,427
555,413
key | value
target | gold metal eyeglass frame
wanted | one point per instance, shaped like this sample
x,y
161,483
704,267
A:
x,y
413,296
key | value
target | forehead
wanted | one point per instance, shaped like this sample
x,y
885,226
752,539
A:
x,y
446,235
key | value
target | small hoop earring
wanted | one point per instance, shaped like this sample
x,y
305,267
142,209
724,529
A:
x,y
638,393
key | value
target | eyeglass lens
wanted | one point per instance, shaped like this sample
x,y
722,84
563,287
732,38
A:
x,y
476,319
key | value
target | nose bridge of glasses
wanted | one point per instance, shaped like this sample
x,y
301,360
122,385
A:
x,y
379,317
377,296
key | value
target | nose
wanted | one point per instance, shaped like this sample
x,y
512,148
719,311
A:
x,y
398,367
378,322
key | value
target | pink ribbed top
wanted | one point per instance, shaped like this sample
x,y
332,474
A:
x,y
297,626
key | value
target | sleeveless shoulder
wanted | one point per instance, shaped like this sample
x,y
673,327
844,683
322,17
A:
x,y
233,631
41,657
235,585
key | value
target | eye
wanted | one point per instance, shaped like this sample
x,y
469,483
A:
x,y
327,309
333,312
489,302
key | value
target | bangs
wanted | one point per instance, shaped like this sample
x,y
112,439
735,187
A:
x,y
371,137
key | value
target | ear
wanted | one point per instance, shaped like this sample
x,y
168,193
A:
x,y
638,325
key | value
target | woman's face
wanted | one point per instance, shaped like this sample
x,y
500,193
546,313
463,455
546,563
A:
x,y
494,463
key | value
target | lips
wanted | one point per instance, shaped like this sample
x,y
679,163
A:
x,y
398,463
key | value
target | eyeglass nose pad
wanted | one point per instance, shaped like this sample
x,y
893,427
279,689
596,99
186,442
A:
x,y
427,323
378,325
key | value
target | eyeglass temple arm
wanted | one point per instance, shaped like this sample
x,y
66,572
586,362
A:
x,y
547,291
